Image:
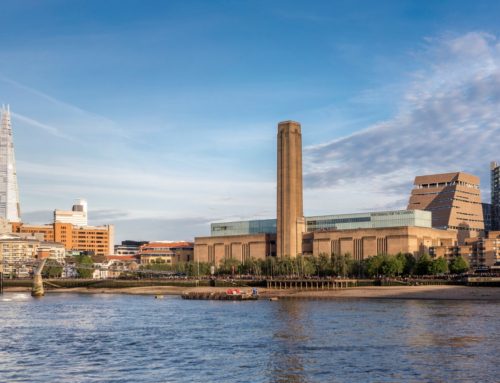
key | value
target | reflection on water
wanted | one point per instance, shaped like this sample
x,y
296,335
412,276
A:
x,y
285,362
116,338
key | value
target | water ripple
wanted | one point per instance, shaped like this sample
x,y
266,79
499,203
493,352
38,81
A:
x,y
118,338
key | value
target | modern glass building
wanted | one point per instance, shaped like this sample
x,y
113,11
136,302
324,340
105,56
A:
x,y
382,219
495,196
243,227
487,216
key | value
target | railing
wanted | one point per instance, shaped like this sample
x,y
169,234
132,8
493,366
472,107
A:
x,y
310,284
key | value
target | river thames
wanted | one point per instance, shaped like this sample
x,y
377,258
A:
x,y
126,338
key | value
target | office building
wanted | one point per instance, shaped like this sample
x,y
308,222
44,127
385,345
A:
x,y
76,216
166,252
98,240
487,217
495,195
129,247
9,191
454,200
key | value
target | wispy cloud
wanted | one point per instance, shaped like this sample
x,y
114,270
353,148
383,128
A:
x,y
47,128
448,120
77,114
49,98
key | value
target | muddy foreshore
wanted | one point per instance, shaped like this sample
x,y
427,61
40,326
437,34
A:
x,y
439,292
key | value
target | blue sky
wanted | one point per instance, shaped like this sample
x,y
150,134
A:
x,y
163,114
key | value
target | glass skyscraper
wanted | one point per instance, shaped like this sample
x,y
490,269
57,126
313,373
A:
x,y
9,192
495,195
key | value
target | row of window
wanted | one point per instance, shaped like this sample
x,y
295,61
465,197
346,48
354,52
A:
x,y
338,220
444,184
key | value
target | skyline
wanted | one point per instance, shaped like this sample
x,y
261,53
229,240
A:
x,y
111,105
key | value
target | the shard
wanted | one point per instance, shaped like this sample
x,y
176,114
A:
x,y
9,191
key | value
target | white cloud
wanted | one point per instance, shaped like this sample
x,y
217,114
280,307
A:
x,y
448,120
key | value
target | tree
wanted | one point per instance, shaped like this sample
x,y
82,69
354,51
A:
x,y
459,265
84,265
373,265
391,266
439,266
285,266
324,265
308,265
250,266
341,264
408,261
52,270
423,265
228,266
268,266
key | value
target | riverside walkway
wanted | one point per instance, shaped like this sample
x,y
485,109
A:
x,y
311,284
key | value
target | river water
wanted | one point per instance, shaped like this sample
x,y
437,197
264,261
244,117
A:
x,y
125,338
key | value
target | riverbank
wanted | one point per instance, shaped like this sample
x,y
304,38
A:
x,y
372,292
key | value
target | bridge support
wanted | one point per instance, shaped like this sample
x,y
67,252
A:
x,y
37,287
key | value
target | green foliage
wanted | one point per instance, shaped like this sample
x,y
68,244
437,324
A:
x,y
323,265
308,265
423,265
228,266
373,266
408,261
384,265
157,266
459,265
52,269
250,266
392,266
342,265
439,266
191,269
84,265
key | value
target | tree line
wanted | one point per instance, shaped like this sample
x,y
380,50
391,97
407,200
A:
x,y
324,265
